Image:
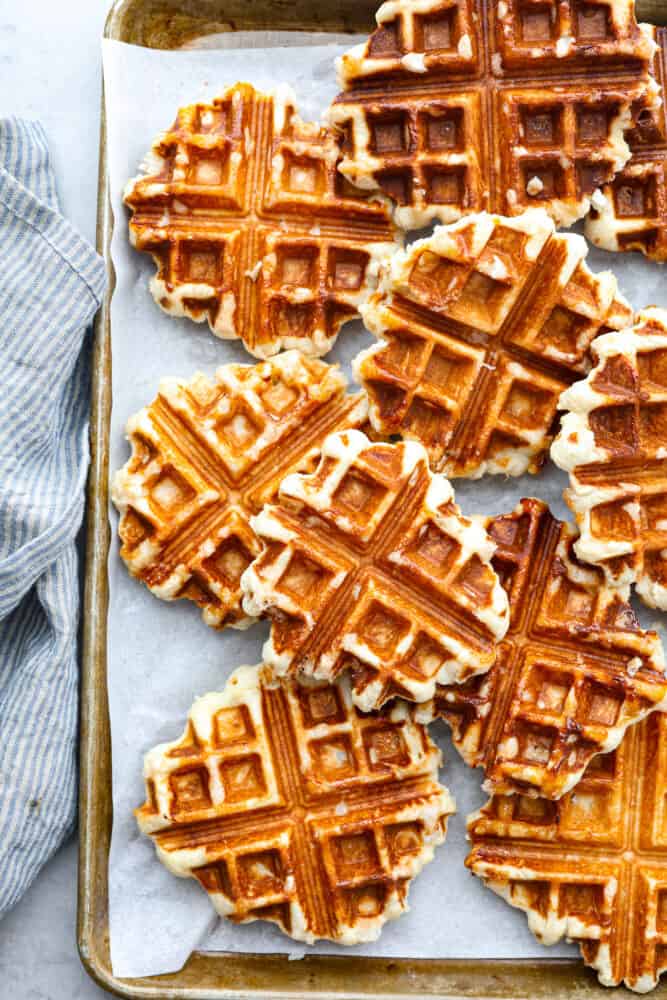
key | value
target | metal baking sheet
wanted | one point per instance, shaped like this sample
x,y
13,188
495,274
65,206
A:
x,y
172,25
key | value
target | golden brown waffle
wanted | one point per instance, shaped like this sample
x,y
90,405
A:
x,y
592,867
613,442
631,211
574,671
252,227
480,328
456,106
286,804
206,455
369,566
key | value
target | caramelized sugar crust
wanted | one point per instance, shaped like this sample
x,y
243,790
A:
x,y
573,673
613,443
480,327
457,106
287,804
370,568
593,866
251,226
206,455
632,212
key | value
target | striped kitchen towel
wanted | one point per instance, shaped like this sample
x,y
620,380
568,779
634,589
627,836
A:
x,y
51,283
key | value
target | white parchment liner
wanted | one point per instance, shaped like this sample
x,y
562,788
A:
x,y
160,656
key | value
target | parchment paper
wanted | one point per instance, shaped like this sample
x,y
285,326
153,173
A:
x,y
160,656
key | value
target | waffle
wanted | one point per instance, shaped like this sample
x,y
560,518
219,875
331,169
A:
x,y
456,106
206,455
613,443
574,671
480,328
288,805
251,226
631,211
369,567
592,867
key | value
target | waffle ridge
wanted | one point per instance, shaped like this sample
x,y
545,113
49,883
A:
x,y
631,213
613,444
480,327
287,804
251,226
591,867
206,455
456,107
370,567
573,673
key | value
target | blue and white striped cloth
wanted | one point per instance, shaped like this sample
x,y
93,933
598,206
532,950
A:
x,y
51,283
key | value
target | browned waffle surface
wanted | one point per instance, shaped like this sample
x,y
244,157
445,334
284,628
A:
x,y
252,227
455,106
613,443
206,454
480,327
574,671
370,567
631,213
593,866
287,804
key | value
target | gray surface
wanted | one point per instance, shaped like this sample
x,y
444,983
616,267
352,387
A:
x,y
38,956
50,70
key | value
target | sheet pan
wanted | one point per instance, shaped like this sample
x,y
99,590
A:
x,y
170,24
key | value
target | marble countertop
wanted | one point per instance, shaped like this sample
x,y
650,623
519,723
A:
x,y
50,69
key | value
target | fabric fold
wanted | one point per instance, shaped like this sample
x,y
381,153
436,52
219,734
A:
x,y
51,285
